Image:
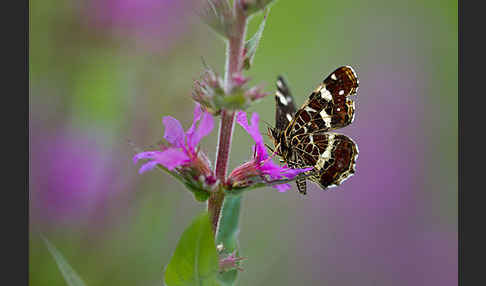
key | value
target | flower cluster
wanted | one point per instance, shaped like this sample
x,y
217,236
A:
x,y
209,92
183,155
207,89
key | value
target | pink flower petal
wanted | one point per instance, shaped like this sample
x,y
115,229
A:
x,y
172,158
197,117
205,127
254,132
269,168
241,120
144,155
174,133
291,173
272,169
251,129
147,166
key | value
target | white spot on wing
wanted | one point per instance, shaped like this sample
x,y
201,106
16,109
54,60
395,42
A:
x,y
289,117
353,108
282,98
309,109
326,155
341,92
326,94
326,117
333,76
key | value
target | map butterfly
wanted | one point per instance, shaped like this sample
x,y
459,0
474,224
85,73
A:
x,y
302,138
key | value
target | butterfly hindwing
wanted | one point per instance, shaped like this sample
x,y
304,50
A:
x,y
332,155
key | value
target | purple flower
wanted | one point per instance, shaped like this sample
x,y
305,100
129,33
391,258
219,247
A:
x,y
183,151
240,79
261,165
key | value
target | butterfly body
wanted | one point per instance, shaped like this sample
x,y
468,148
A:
x,y
302,137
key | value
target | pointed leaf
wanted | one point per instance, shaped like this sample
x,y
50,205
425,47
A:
x,y
195,260
218,15
228,227
252,44
71,277
254,6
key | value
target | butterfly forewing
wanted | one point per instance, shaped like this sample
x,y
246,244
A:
x,y
305,141
329,106
285,105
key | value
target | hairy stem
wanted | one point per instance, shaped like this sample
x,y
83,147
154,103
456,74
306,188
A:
x,y
234,64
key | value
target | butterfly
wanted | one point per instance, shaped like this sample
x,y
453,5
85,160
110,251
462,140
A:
x,y
303,138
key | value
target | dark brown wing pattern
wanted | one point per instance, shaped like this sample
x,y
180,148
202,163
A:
x,y
332,155
329,106
307,141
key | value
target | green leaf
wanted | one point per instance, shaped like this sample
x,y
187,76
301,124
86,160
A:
x,y
71,277
195,260
228,278
254,6
252,44
227,234
228,226
218,15
199,194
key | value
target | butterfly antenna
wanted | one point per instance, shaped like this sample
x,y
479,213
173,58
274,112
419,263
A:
x,y
268,124
270,148
274,152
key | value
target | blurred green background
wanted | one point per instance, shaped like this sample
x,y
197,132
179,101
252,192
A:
x,y
104,72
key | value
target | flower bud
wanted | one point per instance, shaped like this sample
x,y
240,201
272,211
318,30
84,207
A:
x,y
256,93
230,262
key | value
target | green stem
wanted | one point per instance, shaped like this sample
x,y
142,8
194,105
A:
x,y
234,65
215,202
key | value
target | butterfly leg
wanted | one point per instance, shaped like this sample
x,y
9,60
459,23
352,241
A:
x,y
301,185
